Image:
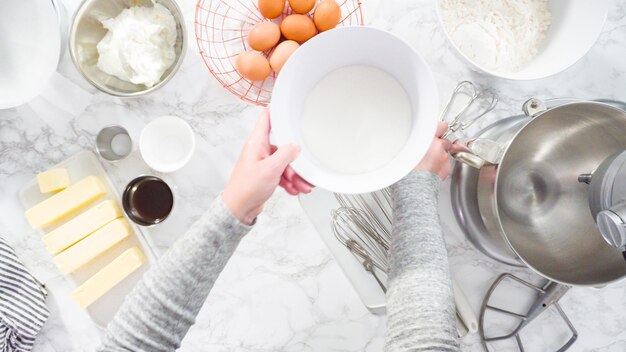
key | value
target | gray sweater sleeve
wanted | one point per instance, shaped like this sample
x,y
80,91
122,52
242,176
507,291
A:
x,y
158,313
420,302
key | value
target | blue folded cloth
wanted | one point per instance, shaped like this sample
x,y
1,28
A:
x,y
23,308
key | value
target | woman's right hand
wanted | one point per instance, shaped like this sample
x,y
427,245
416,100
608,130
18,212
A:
x,y
260,169
437,158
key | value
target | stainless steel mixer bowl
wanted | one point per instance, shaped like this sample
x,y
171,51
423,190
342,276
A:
x,y
538,203
87,31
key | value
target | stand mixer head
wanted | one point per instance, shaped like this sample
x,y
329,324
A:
x,y
607,198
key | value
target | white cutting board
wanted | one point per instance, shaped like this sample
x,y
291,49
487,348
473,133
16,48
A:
x,y
79,166
318,206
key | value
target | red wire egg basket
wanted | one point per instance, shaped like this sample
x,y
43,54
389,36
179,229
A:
x,y
222,28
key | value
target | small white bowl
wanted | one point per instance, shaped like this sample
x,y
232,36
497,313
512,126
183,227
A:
x,y
167,143
575,27
349,46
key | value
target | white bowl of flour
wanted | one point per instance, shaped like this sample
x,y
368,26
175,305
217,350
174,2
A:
x,y
522,40
363,105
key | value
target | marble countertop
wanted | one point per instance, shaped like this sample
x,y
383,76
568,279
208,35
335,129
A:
x,y
282,290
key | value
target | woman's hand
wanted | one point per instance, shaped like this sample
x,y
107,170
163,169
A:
x,y
260,169
437,158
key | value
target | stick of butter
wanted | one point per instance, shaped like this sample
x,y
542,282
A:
x,y
81,226
92,246
64,202
109,276
53,180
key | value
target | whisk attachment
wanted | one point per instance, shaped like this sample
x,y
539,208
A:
x,y
466,116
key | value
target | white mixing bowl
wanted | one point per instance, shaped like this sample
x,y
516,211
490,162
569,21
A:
x,y
31,44
343,47
575,27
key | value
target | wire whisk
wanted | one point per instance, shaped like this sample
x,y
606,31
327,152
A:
x,y
376,205
362,223
352,225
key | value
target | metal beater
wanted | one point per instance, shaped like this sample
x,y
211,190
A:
x,y
547,295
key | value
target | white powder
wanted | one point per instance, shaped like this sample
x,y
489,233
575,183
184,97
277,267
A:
x,y
500,35
356,119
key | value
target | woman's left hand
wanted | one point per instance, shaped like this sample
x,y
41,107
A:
x,y
260,169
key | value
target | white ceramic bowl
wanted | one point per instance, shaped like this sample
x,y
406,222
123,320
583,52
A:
x,y
31,42
575,27
349,46
167,143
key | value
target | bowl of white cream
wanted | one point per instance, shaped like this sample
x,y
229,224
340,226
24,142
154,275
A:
x,y
128,47
522,40
361,103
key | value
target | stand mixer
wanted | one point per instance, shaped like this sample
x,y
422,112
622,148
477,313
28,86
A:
x,y
519,195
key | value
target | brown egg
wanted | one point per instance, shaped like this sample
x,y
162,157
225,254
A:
x,y
282,52
264,36
253,65
301,6
298,27
327,15
271,8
